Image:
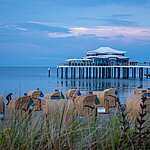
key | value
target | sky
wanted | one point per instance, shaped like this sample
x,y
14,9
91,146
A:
x,y
43,33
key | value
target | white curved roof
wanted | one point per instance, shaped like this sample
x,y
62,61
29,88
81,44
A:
x,y
84,59
105,50
108,56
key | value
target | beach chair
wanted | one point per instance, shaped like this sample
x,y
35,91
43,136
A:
x,y
2,106
133,107
20,106
35,94
141,90
107,100
54,95
84,106
72,94
58,108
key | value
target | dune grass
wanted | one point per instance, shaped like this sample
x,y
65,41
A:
x,y
40,132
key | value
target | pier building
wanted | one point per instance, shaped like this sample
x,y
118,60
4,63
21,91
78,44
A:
x,y
103,62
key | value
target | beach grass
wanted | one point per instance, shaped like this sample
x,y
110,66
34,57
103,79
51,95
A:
x,y
38,131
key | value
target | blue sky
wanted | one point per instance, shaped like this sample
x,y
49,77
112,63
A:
x,y
46,32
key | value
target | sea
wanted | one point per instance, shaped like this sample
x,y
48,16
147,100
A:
x,y
20,80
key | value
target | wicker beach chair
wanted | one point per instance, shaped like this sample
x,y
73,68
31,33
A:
x,y
133,107
72,94
20,106
2,106
54,95
107,99
63,108
35,94
84,106
140,90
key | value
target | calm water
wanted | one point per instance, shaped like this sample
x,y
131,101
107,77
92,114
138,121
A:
x,y
21,80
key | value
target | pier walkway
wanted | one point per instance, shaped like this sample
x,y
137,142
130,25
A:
x,y
84,70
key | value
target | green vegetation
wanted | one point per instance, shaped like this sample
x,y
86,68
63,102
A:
x,y
109,131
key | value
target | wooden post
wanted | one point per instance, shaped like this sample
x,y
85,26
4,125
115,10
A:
x,y
48,72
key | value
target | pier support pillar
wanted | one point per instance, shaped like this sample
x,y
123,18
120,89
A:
x,y
118,73
79,72
83,72
57,71
93,72
96,72
66,73
109,72
89,72
141,73
71,72
124,72
99,72
114,72
146,72
103,72
128,72
86,72
61,72
74,72
134,72
106,72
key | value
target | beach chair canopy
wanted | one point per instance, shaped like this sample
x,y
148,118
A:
x,y
133,107
2,106
106,95
140,90
34,93
54,95
72,94
20,104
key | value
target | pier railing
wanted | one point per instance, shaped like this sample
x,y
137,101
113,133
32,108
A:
x,y
105,64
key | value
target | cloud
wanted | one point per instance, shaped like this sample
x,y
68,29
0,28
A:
x,y
95,3
44,26
11,27
113,20
107,32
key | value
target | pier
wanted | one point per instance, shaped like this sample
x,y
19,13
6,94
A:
x,y
124,72
104,62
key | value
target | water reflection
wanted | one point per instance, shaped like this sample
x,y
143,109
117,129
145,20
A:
x,y
125,87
